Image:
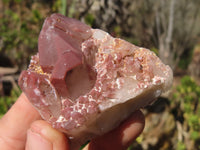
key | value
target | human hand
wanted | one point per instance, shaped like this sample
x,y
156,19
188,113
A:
x,y
23,128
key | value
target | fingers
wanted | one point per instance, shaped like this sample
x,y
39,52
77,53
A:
x,y
121,137
41,136
15,123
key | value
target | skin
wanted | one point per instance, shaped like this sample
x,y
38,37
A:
x,y
22,128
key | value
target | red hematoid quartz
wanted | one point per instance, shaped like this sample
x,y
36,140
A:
x,y
85,82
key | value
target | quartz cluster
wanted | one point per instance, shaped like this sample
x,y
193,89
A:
x,y
85,82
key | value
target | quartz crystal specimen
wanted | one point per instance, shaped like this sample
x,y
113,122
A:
x,y
85,82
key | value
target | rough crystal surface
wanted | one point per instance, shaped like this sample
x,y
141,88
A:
x,y
85,82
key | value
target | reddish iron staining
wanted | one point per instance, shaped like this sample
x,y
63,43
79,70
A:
x,y
80,72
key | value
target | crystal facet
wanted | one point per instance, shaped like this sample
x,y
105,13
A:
x,y
85,82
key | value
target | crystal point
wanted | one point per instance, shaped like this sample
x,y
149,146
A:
x,y
85,82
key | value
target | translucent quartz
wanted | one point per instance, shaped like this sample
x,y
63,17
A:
x,y
85,82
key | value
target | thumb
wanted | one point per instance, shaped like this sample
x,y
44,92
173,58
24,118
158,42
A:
x,y
41,136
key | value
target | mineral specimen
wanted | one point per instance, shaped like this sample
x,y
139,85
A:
x,y
85,82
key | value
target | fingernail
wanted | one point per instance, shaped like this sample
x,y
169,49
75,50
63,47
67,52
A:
x,y
133,127
36,142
